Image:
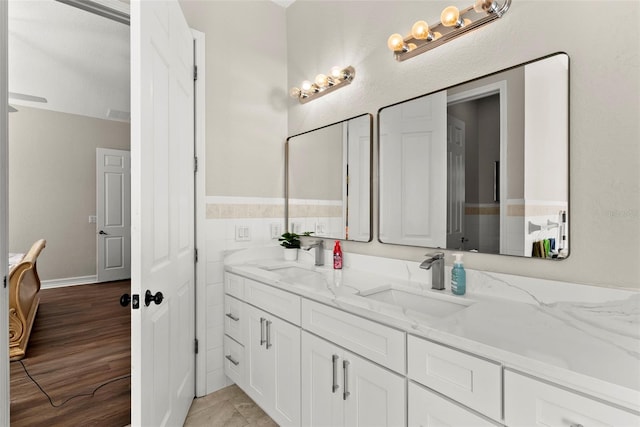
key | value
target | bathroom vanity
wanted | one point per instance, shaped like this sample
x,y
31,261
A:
x,y
374,345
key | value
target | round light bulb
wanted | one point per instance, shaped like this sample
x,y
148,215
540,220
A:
x,y
420,30
396,42
488,6
306,85
294,92
450,17
336,72
321,80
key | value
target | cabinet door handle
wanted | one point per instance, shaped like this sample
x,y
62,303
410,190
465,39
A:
x,y
268,334
262,340
335,385
345,369
232,317
230,359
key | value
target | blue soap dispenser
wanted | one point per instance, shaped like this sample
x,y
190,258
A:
x,y
458,276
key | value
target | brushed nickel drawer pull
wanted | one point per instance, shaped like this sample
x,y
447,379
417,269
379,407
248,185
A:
x,y
230,359
232,317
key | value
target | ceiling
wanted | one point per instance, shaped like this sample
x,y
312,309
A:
x,y
78,61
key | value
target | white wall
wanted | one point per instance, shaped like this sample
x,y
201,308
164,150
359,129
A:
x,y
246,129
52,186
604,103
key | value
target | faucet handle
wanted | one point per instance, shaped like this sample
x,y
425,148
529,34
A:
x,y
436,255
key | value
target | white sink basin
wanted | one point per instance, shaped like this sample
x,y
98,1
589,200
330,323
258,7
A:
x,y
424,303
291,272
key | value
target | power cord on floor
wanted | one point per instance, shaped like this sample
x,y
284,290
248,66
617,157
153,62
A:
x,y
72,397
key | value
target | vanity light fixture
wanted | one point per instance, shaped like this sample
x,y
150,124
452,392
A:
x,y
323,84
453,23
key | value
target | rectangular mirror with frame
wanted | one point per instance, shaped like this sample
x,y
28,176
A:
x,y
481,166
328,180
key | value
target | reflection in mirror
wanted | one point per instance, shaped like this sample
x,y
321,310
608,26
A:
x,y
328,182
481,166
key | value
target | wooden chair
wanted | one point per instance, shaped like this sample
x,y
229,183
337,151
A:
x,y
24,288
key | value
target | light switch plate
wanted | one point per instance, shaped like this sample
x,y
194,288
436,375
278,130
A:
x,y
243,233
276,230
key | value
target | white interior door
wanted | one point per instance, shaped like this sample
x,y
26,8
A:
x,y
359,160
456,140
413,201
162,215
113,214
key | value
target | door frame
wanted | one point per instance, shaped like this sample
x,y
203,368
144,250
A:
x,y
4,179
499,88
200,219
200,212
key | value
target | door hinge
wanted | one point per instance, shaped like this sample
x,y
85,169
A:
x,y
195,72
195,164
196,253
5,282
196,345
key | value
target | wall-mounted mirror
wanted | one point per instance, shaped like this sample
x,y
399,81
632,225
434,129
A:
x,y
328,181
481,166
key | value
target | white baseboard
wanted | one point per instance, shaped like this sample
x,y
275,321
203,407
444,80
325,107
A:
x,y
68,281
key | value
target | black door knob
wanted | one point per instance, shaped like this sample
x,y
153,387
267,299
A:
x,y
149,298
102,232
125,299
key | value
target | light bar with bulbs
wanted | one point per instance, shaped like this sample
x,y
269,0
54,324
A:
x,y
323,84
453,23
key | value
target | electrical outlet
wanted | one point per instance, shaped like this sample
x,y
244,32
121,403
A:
x,y
243,233
276,230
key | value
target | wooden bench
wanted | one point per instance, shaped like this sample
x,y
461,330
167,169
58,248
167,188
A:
x,y
24,288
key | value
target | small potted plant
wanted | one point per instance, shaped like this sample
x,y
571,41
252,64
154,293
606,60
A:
x,y
291,243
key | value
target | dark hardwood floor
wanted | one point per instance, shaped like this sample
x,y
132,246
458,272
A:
x,y
80,340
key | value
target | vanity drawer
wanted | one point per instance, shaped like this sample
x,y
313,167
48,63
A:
x,y
374,341
272,300
234,361
427,408
470,380
532,402
233,317
234,285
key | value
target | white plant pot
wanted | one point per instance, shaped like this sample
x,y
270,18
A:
x,y
290,254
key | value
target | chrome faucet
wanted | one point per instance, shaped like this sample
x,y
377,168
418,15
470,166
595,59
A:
x,y
435,260
319,245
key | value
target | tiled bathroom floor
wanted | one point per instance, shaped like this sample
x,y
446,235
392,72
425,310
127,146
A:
x,y
229,407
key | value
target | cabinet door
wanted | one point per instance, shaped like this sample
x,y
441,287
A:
x,y
283,346
259,377
427,409
374,395
322,403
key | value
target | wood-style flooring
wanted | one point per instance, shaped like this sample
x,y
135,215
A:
x,y
80,340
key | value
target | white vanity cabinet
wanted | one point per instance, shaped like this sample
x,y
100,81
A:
x,y
532,402
273,365
339,388
262,346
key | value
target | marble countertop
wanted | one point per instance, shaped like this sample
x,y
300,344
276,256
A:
x,y
590,343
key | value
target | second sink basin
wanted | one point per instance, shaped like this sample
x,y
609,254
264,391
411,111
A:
x,y
433,306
